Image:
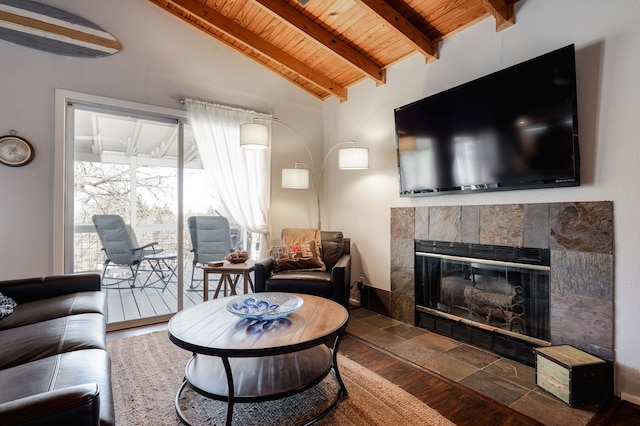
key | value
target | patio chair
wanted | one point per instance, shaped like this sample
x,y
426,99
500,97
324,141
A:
x,y
210,239
122,249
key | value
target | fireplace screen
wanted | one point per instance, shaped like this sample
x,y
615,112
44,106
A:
x,y
501,288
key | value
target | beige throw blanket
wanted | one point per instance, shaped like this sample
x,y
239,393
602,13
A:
x,y
292,236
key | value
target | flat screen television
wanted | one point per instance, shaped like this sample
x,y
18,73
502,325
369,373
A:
x,y
513,129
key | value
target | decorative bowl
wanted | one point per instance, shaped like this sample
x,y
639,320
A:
x,y
237,259
264,307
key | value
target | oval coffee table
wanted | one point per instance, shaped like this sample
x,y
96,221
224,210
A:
x,y
238,360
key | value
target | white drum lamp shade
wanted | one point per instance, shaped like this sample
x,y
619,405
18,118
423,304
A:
x,y
295,178
254,136
353,158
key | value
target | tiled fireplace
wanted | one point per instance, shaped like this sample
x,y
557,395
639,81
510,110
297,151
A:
x,y
579,240
496,297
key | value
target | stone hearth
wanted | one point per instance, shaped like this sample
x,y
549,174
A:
x,y
579,235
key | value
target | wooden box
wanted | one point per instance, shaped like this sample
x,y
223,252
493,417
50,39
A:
x,y
574,376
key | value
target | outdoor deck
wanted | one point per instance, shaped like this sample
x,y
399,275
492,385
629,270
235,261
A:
x,y
132,303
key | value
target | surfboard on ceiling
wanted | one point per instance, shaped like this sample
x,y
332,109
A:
x,y
47,28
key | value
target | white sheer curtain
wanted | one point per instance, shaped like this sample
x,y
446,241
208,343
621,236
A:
x,y
241,177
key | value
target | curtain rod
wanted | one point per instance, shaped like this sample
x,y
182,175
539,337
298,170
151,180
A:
x,y
263,114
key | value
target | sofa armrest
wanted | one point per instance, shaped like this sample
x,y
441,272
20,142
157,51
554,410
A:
x,y
73,405
262,271
31,289
341,279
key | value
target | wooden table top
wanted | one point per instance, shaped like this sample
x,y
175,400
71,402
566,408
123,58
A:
x,y
231,268
209,329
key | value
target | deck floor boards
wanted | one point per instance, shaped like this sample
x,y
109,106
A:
x,y
131,303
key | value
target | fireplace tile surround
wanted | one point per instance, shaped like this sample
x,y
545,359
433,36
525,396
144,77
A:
x,y
578,234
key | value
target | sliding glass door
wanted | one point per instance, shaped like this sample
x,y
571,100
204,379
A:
x,y
124,206
123,165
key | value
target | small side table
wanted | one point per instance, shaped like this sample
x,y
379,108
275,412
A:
x,y
226,271
161,268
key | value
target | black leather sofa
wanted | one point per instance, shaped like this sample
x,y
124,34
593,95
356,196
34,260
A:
x,y
334,283
54,365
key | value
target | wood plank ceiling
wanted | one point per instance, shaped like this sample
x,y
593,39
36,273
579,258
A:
x,y
325,46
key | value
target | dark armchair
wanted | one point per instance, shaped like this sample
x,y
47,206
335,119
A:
x,y
334,283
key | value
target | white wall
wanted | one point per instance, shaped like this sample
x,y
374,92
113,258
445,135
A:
x,y
607,37
163,59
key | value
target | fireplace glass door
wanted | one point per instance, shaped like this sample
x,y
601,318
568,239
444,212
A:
x,y
501,295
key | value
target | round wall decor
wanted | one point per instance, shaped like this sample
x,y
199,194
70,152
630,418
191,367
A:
x,y
15,151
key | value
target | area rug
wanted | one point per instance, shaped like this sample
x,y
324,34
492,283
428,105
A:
x,y
148,370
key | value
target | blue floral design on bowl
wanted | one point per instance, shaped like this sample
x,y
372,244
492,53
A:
x,y
264,307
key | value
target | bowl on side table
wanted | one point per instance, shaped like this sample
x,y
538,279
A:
x,y
237,257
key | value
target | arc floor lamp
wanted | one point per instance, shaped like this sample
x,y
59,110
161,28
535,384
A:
x,y
256,136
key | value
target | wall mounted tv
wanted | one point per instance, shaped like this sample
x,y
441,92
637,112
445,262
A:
x,y
513,129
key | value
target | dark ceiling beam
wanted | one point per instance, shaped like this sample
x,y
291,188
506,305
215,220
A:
x,y
501,11
406,29
333,44
209,16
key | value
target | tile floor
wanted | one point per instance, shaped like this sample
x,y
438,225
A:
x,y
501,379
